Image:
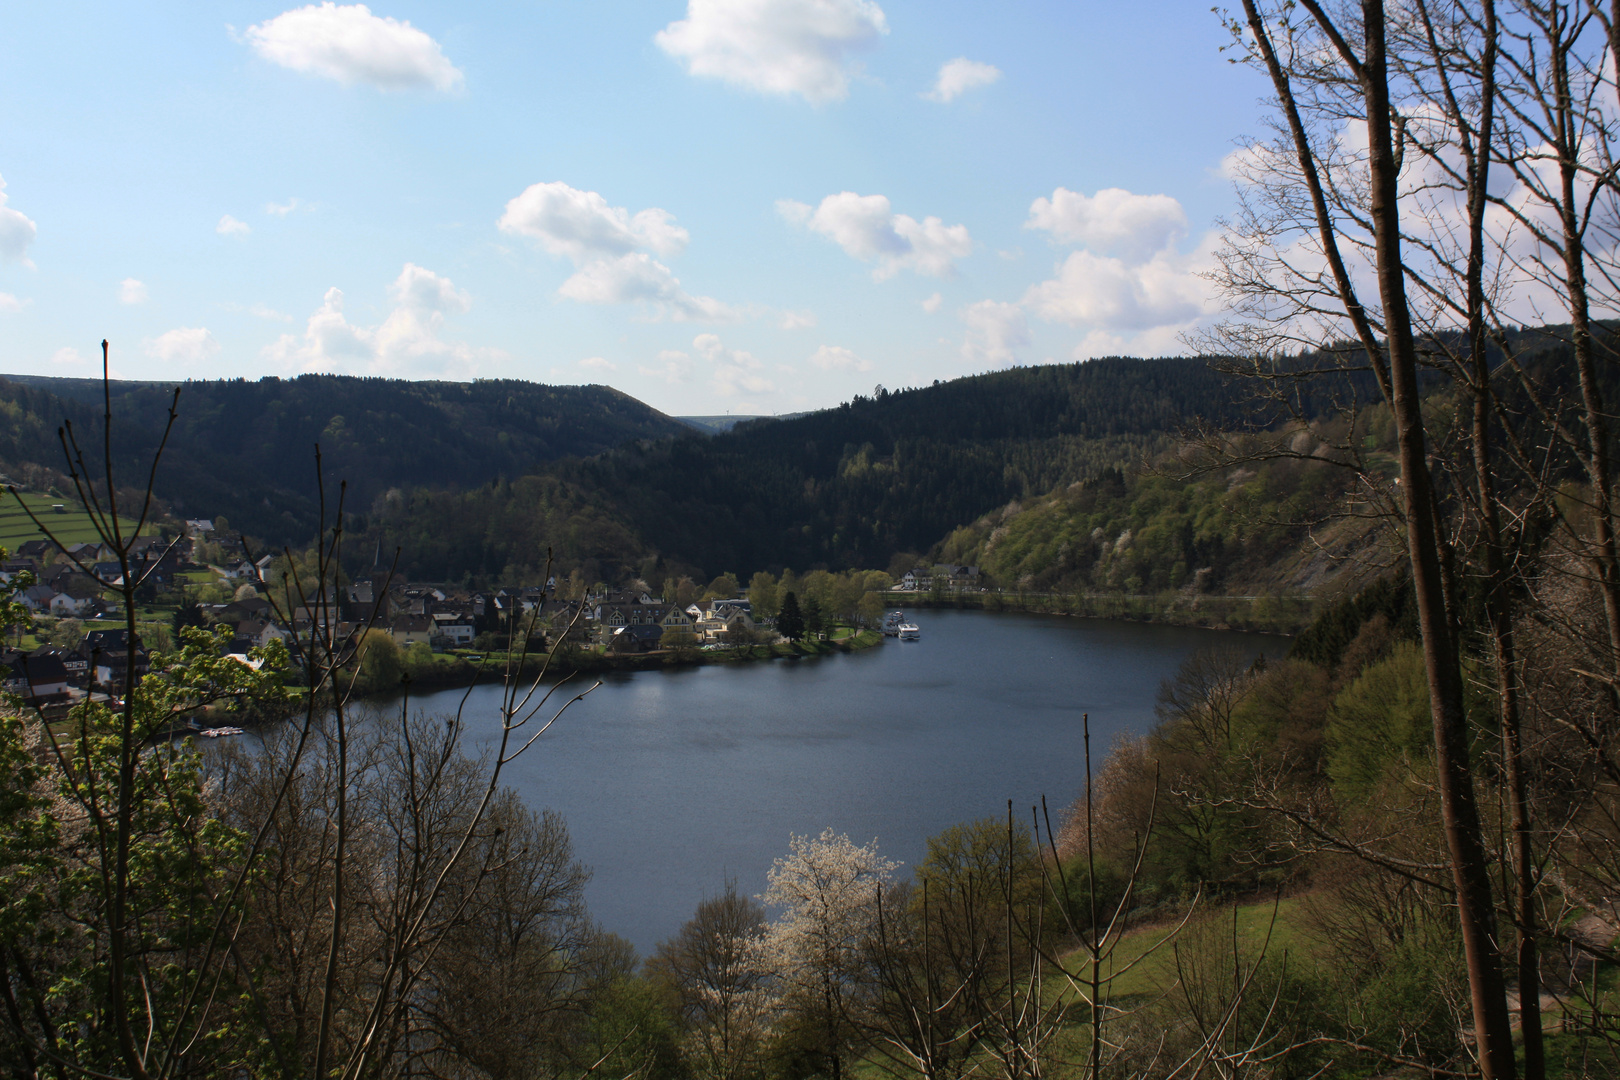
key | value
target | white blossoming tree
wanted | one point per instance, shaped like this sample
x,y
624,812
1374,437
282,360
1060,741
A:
x,y
828,891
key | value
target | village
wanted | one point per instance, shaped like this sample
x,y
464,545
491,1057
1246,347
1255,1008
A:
x,y
81,640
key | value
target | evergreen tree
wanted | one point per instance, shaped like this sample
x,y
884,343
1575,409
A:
x,y
790,622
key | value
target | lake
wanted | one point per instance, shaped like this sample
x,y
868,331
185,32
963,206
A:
x,y
673,781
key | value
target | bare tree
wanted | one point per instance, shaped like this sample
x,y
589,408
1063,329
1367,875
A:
x,y
716,966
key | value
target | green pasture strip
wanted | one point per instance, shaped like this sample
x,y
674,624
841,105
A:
x,y
1141,970
72,527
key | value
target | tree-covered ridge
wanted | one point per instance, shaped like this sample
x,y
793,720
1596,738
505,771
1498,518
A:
x,y
246,449
1153,531
852,486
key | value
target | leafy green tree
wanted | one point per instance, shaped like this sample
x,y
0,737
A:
x,y
1380,719
380,662
724,587
765,595
814,620
145,843
680,641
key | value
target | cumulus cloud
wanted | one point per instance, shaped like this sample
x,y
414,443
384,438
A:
x,y
838,358
867,229
640,279
932,304
406,342
184,345
229,226
1098,291
131,291
610,248
995,331
1129,286
598,363
803,47
281,209
582,226
350,44
68,356
732,371
957,77
1113,221
17,231
10,305
420,289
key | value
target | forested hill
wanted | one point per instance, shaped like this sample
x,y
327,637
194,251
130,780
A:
x,y
849,486
245,450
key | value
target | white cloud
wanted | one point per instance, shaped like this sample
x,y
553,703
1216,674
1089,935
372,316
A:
x,y
640,279
582,226
17,231
422,290
733,371
995,330
68,356
1113,221
184,345
350,44
131,291
406,342
674,366
802,47
229,226
1097,291
10,305
798,320
932,304
610,246
957,77
838,358
281,209
598,363
865,227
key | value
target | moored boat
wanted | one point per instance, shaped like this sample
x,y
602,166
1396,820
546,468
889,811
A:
x,y
891,623
910,632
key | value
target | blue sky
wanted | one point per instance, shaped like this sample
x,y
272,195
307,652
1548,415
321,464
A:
x,y
721,205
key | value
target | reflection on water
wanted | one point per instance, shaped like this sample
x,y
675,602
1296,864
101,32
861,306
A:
x,y
673,781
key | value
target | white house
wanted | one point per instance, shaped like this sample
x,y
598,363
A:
x,y
63,604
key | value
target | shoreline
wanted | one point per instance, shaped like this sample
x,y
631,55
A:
x,y
461,672
1283,616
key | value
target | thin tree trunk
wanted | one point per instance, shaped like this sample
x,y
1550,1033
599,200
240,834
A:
x,y
1458,806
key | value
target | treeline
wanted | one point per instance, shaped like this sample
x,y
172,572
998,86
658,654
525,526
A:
x,y
849,486
246,450
1148,532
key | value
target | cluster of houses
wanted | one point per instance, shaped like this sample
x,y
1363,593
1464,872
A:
x,y
50,674
945,575
628,622
440,617
74,587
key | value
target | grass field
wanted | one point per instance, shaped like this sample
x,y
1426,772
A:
x,y
71,527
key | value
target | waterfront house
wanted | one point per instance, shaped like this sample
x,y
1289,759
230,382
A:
x,y
411,629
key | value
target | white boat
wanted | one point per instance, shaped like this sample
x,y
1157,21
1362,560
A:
x,y
216,732
910,632
891,623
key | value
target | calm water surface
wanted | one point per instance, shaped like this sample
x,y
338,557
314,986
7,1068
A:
x,y
673,781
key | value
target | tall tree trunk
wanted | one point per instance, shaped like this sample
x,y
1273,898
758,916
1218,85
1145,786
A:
x,y
1458,806
1498,596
